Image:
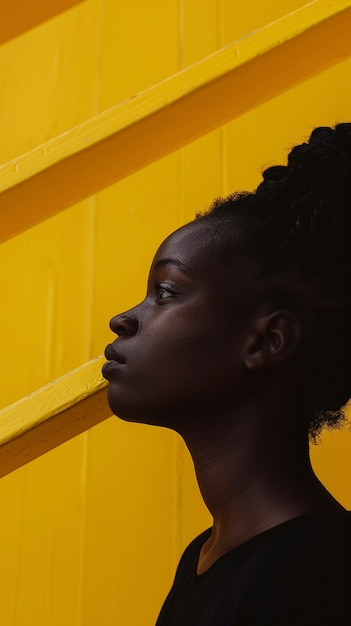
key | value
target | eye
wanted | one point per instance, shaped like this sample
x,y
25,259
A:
x,y
163,293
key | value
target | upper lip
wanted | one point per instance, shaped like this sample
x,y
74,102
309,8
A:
x,y
111,354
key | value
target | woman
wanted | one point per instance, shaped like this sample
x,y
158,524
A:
x,y
241,346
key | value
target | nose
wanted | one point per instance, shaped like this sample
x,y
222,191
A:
x,y
124,325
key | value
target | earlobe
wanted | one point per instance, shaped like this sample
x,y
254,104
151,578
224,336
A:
x,y
276,338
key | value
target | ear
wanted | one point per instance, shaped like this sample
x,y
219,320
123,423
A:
x,y
275,339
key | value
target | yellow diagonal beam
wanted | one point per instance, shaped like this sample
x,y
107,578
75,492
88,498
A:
x,y
139,131
52,415
18,16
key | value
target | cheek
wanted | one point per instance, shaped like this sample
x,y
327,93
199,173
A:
x,y
192,360
201,334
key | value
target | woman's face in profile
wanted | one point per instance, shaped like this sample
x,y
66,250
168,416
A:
x,y
178,352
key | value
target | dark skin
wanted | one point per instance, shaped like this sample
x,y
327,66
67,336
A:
x,y
209,355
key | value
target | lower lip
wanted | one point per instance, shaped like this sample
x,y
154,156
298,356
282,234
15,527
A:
x,y
109,368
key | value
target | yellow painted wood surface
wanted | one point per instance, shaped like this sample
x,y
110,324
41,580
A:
x,y
90,532
17,17
52,415
131,135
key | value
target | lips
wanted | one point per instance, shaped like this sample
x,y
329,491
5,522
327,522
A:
x,y
112,368
111,354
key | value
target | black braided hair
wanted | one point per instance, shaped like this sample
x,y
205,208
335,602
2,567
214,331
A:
x,y
300,216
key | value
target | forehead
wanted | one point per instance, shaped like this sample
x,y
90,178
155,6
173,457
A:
x,y
190,245
197,251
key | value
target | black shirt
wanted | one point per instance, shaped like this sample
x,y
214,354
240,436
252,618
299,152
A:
x,y
295,574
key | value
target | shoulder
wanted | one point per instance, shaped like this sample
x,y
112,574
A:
x,y
295,573
318,538
301,572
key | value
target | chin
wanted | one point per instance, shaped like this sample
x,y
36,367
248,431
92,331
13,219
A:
x,y
129,412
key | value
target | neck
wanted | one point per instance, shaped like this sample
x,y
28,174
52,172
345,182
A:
x,y
251,481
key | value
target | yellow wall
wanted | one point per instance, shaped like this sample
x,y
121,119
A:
x,y
91,532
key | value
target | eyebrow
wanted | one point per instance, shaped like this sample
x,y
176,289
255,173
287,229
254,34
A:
x,y
181,266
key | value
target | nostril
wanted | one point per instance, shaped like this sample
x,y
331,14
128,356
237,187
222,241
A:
x,y
120,331
123,325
